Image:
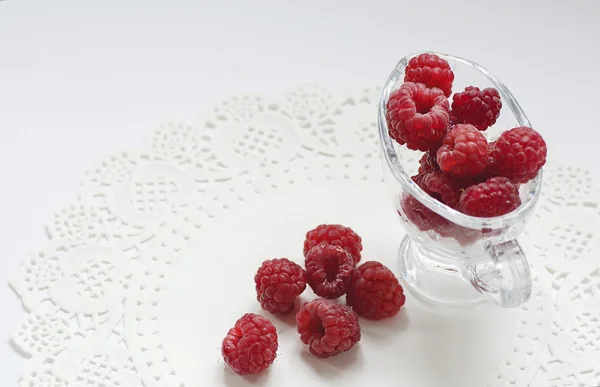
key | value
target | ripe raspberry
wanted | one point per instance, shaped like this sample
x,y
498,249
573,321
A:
x,y
431,70
251,345
480,108
494,197
375,292
520,154
428,163
328,270
417,116
278,283
440,186
464,152
337,235
423,217
327,328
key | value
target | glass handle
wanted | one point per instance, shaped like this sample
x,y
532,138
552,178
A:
x,y
505,279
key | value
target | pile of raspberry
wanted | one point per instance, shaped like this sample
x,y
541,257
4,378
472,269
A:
x,y
326,326
459,166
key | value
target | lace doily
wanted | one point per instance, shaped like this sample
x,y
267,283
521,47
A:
x,y
97,292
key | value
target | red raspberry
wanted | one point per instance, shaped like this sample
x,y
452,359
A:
x,y
431,70
278,283
251,345
440,186
494,197
327,328
328,270
428,163
520,154
417,116
464,151
427,220
423,217
375,292
337,235
480,108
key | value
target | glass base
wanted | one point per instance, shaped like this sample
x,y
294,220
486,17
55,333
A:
x,y
434,277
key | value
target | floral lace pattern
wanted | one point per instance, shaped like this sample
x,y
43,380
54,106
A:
x,y
93,291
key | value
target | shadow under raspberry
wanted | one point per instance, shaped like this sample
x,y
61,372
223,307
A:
x,y
333,367
381,330
286,320
231,379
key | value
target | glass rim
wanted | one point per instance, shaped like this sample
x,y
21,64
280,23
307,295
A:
x,y
392,162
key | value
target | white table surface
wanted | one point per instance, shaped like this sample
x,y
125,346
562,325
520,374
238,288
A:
x,y
80,79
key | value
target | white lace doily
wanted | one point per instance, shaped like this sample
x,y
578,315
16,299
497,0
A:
x,y
131,288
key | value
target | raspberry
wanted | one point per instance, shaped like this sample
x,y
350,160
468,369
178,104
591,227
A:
x,y
423,217
375,292
428,163
431,70
278,283
440,186
328,270
480,108
417,116
520,154
337,235
427,220
327,328
464,151
494,197
251,345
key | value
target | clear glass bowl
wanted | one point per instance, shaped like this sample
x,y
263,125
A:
x,y
447,256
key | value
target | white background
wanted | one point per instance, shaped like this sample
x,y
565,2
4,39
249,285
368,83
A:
x,y
80,79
